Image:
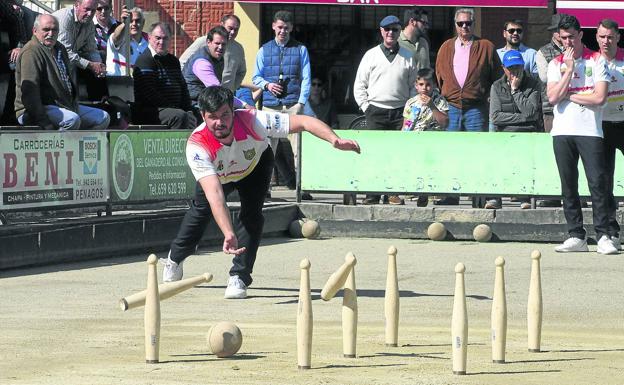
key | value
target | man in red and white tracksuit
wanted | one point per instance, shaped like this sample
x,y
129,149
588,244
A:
x,y
230,151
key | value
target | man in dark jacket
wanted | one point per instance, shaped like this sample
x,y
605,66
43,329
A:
x,y
45,93
515,105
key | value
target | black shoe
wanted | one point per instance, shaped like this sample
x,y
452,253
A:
x,y
370,201
423,201
447,201
549,203
306,196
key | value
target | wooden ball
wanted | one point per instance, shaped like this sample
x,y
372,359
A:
x,y
311,229
436,231
224,339
482,233
294,229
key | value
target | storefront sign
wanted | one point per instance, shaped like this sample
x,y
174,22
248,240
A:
x,y
589,13
429,3
53,169
149,166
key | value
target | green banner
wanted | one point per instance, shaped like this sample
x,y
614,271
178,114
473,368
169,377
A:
x,y
439,162
149,165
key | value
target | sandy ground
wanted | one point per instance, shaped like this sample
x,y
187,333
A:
x,y
62,325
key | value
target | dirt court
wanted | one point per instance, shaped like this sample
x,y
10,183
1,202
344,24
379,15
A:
x,y
62,324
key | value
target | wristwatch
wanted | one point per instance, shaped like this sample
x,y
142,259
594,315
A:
x,y
266,87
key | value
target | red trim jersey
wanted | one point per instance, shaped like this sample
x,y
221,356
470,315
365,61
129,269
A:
x,y
614,111
231,163
572,118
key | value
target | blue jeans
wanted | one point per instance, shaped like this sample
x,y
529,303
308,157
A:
x,y
87,118
472,119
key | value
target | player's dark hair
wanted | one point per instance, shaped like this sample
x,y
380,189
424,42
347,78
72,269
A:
x,y
427,74
569,21
214,97
219,30
609,24
514,21
285,16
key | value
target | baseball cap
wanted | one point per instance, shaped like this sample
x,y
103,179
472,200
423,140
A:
x,y
554,22
512,58
389,20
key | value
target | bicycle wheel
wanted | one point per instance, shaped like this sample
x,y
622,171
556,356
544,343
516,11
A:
x,y
359,123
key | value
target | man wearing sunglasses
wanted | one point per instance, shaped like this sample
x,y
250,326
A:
x,y
513,32
466,91
415,25
383,84
105,25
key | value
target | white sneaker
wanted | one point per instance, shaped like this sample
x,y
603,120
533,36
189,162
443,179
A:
x,y
572,244
236,288
605,246
172,270
616,242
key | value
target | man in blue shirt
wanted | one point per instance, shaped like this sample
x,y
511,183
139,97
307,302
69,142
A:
x,y
282,70
513,32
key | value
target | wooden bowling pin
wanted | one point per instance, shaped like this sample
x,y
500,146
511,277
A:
x,y
152,313
337,280
391,300
304,318
459,322
499,314
349,317
165,290
534,306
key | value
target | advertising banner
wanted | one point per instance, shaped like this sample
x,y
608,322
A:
x,y
41,169
589,13
149,165
425,3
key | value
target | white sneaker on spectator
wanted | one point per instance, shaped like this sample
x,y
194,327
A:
x,y
172,270
572,244
605,246
236,288
616,242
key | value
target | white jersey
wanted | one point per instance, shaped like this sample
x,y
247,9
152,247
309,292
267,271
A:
x,y
116,56
576,119
614,110
207,156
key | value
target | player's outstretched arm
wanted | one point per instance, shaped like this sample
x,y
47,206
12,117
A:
x,y
321,130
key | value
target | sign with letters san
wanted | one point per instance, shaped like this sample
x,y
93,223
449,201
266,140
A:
x,y
425,3
41,169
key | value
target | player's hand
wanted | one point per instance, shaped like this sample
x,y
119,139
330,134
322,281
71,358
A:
x,y
568,58
347,145
514,82
425,100
230,245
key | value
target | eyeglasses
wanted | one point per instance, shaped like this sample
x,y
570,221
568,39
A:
x,y
317,84
388,29
104,8
511,31
461,24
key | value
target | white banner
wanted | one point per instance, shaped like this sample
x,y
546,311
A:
x,y
53,169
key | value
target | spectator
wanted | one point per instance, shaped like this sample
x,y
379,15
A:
x,y
234,67
577,88
117,47
105,25
427,111
282,70
78,36
383,84
513,32
543,57
608,36
13,36
466,91
46,94
230,152
205,67
515,106
160,92
415,25
321,106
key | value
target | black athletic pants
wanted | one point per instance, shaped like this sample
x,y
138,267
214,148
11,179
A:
x,y
613,141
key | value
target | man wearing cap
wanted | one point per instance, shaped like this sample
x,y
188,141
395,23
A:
x,y
383,84
577,88
515,104
608,36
